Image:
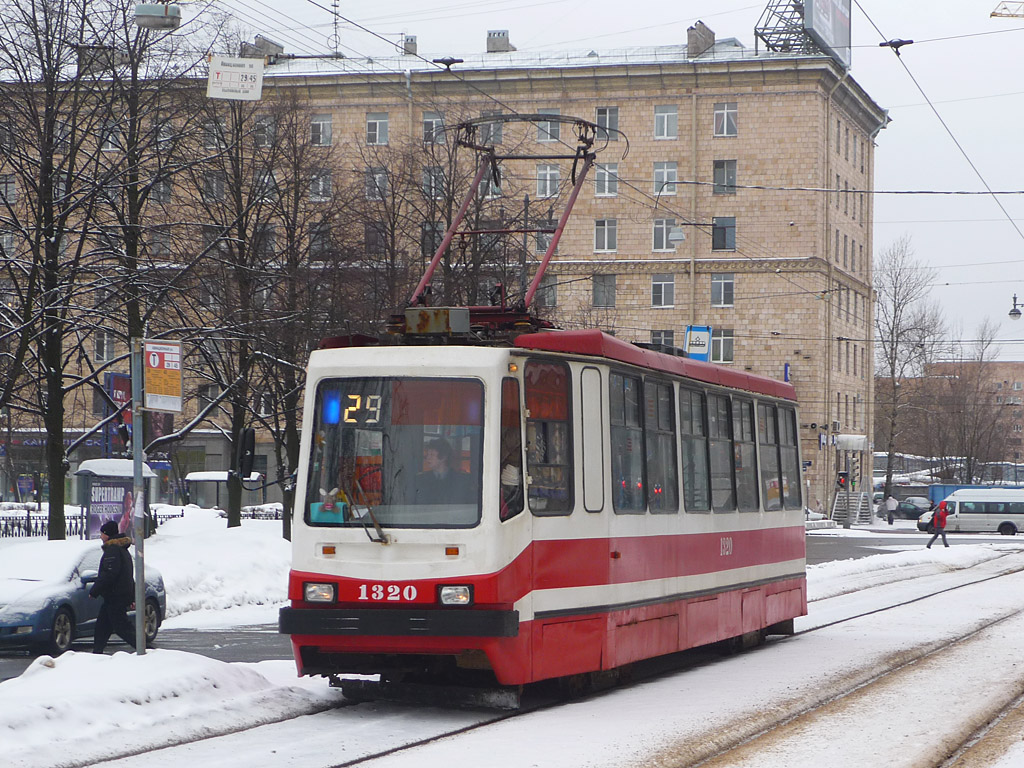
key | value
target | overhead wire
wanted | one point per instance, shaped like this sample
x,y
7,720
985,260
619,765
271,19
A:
x,y
942,122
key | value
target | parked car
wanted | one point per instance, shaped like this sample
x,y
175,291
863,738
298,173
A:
x,y
44,595
921,502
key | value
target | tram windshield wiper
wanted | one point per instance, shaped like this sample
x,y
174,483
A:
x,y
365,510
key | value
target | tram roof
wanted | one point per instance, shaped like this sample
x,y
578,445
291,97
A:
x,y
599,344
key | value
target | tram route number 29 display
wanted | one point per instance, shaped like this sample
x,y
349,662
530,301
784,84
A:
x,y
392,593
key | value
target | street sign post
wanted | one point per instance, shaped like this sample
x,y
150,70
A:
x,y
162,383
235,78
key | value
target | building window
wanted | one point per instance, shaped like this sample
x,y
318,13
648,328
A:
x,y
489,186
606,235
431,237
666,122
213,186
207,393
665,178
213,136
725,177
377,128
547,180
544,238
723,287
664,338
606,180
604,290
723,233
373,238
320,187
721,345
547,292
104,346
111,140
490,133
608,123
725,118
160,242
376,183
262,132
548,130
433,182
161,191
663,290
662,228
320,245
320,130
433,128
8,188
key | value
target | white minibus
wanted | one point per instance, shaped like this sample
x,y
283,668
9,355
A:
x,y
984,510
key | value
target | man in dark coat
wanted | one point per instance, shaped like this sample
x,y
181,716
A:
x,y
116,586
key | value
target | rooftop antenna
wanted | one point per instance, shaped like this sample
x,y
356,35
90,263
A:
x,y
334,42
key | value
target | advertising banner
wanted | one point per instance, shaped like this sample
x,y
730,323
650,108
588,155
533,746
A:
x,y
109,499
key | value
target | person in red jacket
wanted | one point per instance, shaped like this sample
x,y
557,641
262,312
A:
x,y
939,523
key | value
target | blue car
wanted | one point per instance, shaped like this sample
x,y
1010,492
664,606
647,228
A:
x,y
44,595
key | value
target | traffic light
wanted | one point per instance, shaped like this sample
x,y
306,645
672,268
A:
x,y
855,467
842,478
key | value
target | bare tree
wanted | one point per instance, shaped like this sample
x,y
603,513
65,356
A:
x,y
908,328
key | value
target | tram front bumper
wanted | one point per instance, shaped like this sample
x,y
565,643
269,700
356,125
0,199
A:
x,y
398,622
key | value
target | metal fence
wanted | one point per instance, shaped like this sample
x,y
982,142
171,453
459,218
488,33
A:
x,y
27,523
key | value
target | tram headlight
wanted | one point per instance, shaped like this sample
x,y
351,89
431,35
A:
x,y
456,595
318,593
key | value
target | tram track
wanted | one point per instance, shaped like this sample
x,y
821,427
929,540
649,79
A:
x,y
347,717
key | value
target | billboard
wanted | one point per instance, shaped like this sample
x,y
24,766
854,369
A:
x,y
828,23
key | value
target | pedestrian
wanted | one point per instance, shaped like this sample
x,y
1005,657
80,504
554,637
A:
x,y
116,586
890,506
939,524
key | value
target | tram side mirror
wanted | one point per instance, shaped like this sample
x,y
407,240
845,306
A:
x,y
247,452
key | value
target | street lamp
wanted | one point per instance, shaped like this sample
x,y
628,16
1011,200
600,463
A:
x,y
1015,312
157,15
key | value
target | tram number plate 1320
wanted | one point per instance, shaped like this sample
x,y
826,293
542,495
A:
x,y
388,593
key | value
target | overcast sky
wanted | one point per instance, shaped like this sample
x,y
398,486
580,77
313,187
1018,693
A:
x,y
967,64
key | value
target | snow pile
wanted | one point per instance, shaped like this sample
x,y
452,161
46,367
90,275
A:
x,y
218,576
844,576
72,709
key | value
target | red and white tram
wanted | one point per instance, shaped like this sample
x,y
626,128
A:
x,y
568,504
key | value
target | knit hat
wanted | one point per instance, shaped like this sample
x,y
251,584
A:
x,y
109,528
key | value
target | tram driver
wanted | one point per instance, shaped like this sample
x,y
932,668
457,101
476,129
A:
x,y
441,482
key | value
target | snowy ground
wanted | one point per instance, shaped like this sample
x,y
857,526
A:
x,y
80,708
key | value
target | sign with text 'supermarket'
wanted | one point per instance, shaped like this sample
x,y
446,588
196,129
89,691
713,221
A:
x,y
162,381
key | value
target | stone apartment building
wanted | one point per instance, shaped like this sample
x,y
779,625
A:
x,y
759,159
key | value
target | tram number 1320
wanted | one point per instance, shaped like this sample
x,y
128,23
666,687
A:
x,y
391,593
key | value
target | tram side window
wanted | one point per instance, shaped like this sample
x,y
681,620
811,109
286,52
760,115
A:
x,y
511,501
768,437
790,459
723,495
660,434
692,425
745,455
627,455
548,432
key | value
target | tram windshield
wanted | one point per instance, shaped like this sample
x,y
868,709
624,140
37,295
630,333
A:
x,y
401,452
